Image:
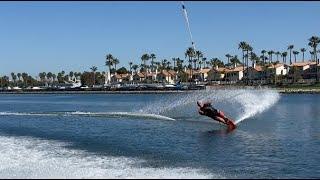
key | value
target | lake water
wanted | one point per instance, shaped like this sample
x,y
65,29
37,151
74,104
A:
x,y
108,136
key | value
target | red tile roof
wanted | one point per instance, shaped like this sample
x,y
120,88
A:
x,y
299,64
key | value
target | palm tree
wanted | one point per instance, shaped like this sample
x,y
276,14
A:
x,y
243,47
203,61
71,74
42,76
19,76
49,76
303,50
295,53
270,53
263,52
179,64
94,69
158,66
284,56
249,51
290,47
311,55
277,53
190,53
54,78
115,62
168,65
228,56
25,78
234,60
174,62
145,58
109,63
130,66
135,67
313,42
14,77
152,56
199,55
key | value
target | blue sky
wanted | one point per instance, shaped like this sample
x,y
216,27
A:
x,y
55,36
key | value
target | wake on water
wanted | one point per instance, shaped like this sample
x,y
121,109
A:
x,y
240,104
91,114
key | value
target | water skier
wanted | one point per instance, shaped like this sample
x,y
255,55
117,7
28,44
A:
x,y
206,109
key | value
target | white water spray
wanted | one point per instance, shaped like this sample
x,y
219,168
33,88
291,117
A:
x,y
239,104
256,102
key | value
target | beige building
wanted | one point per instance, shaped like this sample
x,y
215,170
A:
x,y
118,78
201,74
255,72
277,69
216,74
305,70
138,77
234,74
168,76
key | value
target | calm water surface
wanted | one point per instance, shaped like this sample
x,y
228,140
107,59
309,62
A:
x,y
281,142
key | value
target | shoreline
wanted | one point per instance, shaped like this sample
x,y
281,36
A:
x,y
280,90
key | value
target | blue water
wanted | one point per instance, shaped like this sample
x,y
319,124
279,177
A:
x,y
282,141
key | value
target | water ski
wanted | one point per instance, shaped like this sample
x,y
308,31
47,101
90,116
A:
x,y
231,125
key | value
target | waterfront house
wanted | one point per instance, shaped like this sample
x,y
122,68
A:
x,y
216,74
234,74
306,70
120,78
254,72
277,69
169,76
138,77
201,74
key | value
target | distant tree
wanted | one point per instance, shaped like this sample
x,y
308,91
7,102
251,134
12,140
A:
x,y
313,42
234,60
94,69
135,67
122,70
199,55
152,57
290,47
303,50
179,64
109,61
115,62
216,62
190,53
71,74
228,58
243,46
263,57
42,76
284,56
295,53
87,78
14,78
130,66
203,61
277,53
144,59
49,76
